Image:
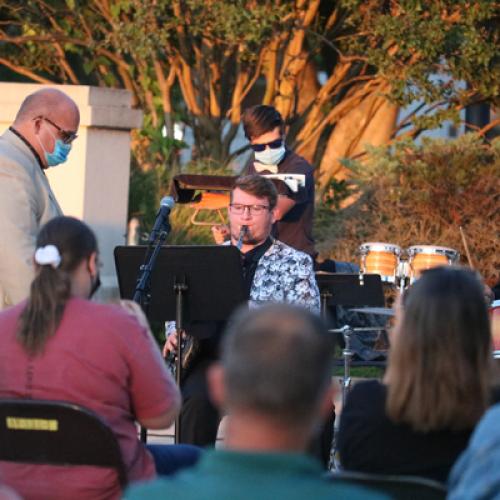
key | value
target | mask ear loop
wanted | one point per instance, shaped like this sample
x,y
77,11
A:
x,y
40,142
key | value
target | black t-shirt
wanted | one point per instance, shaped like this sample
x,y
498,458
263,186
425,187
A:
x,y
249,262
295,228
370,442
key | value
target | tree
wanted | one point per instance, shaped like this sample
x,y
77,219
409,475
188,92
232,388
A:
x,y
204,60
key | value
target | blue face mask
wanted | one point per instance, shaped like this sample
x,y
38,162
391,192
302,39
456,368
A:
x,y
270,156
60,153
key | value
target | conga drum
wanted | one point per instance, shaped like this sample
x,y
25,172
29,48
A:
x,y
423,257
380,258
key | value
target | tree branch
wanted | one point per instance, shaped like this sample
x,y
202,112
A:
x,y
25,72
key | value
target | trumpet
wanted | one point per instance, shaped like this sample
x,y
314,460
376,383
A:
x,y
243,232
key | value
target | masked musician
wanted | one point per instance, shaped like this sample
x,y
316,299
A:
x,y
294,212
273,272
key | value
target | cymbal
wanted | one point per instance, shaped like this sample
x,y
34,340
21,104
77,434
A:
x,y
380,311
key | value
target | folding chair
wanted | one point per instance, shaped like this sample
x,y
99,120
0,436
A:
x,y
57,433
396,487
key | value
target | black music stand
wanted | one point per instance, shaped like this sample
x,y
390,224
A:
x,y
354,290
345,289
190,283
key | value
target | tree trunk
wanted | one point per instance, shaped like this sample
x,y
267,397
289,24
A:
x,y
370,123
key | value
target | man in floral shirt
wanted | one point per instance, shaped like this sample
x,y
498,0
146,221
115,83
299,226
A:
x,y
272,272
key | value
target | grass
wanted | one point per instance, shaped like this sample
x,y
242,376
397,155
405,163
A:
x,y
360,372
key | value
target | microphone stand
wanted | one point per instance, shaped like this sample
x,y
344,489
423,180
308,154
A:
x,y
142,292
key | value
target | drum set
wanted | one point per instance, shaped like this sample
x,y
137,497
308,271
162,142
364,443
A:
x,y
400,267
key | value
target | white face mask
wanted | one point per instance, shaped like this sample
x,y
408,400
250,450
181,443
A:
x,y
270,156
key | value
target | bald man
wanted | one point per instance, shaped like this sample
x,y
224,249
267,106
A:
x,y
40,137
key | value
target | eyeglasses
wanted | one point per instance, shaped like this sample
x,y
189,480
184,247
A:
x,y
67,136
272,145
239,209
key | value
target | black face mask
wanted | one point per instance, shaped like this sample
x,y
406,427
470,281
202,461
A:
x,y
96,283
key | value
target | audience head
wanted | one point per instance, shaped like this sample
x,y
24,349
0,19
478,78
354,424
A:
x,y
65,265
49,120
440,358
275,364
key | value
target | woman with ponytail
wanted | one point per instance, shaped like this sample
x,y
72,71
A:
x,y
59,345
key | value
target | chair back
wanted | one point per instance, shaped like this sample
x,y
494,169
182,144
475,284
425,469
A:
x,y
396,487
57,433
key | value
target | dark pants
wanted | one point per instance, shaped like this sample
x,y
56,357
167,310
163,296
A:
x,y
171,458
321,445
199,418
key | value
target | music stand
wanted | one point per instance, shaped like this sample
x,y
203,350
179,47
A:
x,y
355,290
190,283
345,289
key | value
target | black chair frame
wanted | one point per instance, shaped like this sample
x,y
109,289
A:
x,y
396,487
57,433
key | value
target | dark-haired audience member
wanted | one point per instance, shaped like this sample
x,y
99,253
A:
x,y
265,129
58,345
436,387
476,474
274,384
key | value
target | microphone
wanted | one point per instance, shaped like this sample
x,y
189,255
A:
x,y
161,223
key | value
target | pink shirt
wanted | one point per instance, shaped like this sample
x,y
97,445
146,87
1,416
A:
x,y
102,359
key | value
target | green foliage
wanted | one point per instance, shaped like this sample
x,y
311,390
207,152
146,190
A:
x,y
147,188
443,52
421,194
428,50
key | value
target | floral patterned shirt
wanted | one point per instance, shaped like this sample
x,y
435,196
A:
x,y
284,274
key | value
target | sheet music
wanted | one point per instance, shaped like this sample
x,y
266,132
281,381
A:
x,y
293,181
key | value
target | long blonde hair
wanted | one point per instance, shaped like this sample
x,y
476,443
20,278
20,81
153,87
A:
x,y
438,372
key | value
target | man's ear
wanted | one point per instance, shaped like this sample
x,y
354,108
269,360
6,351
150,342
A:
x,y
216,385
37,123
274,215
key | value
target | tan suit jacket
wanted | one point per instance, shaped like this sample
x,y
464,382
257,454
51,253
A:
x,y
26,203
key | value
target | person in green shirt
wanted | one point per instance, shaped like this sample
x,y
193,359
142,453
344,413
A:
x,y
274,384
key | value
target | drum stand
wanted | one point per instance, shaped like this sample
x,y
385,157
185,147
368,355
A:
x,y
347,353
346,380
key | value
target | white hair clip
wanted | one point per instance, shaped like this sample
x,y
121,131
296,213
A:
x,y
48,256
